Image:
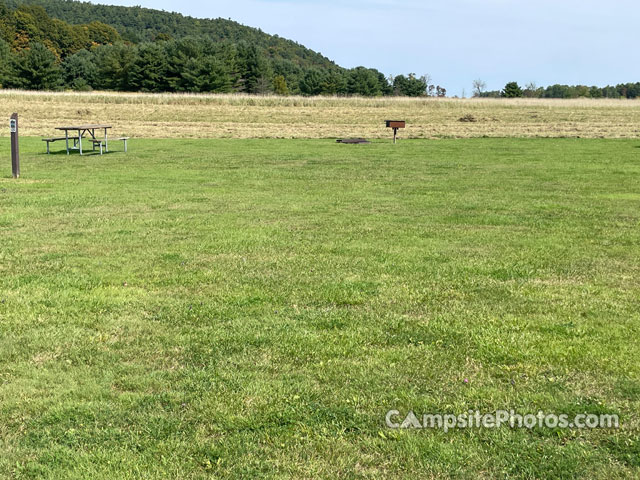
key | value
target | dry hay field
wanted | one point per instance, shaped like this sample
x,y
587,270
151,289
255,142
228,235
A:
x,y
242,116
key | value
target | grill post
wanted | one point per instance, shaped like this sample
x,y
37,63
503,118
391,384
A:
x,y
396,124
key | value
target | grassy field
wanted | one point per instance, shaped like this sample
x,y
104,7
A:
x,y
237,116
253,308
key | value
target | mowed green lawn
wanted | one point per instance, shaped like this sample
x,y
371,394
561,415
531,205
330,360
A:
x,y
253,308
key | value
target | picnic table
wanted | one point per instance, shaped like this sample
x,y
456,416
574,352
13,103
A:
x,y
78,132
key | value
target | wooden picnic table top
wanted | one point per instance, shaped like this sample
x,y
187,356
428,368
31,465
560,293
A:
x,y
84,127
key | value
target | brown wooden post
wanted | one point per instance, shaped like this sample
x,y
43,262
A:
x,y
15,146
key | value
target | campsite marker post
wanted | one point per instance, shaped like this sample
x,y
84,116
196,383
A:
x,y
15,147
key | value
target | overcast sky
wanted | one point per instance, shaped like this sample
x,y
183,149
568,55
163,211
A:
x,y
454,41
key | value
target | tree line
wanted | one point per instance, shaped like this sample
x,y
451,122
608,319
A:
x,y
190,65
531,90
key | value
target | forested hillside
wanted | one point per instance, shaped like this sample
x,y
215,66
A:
x,y
53,44
28,24
137,25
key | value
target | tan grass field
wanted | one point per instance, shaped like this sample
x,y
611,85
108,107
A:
x,y
243,116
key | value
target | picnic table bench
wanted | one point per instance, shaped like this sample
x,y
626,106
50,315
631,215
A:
x,y
79,132
50,140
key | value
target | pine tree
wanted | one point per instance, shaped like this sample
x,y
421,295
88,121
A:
x,y
149,69
114,66
256,72
80,71
38,69
6,65
410,86
313,82
215,76
280,85
334,84
512,90
182,57
364,81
